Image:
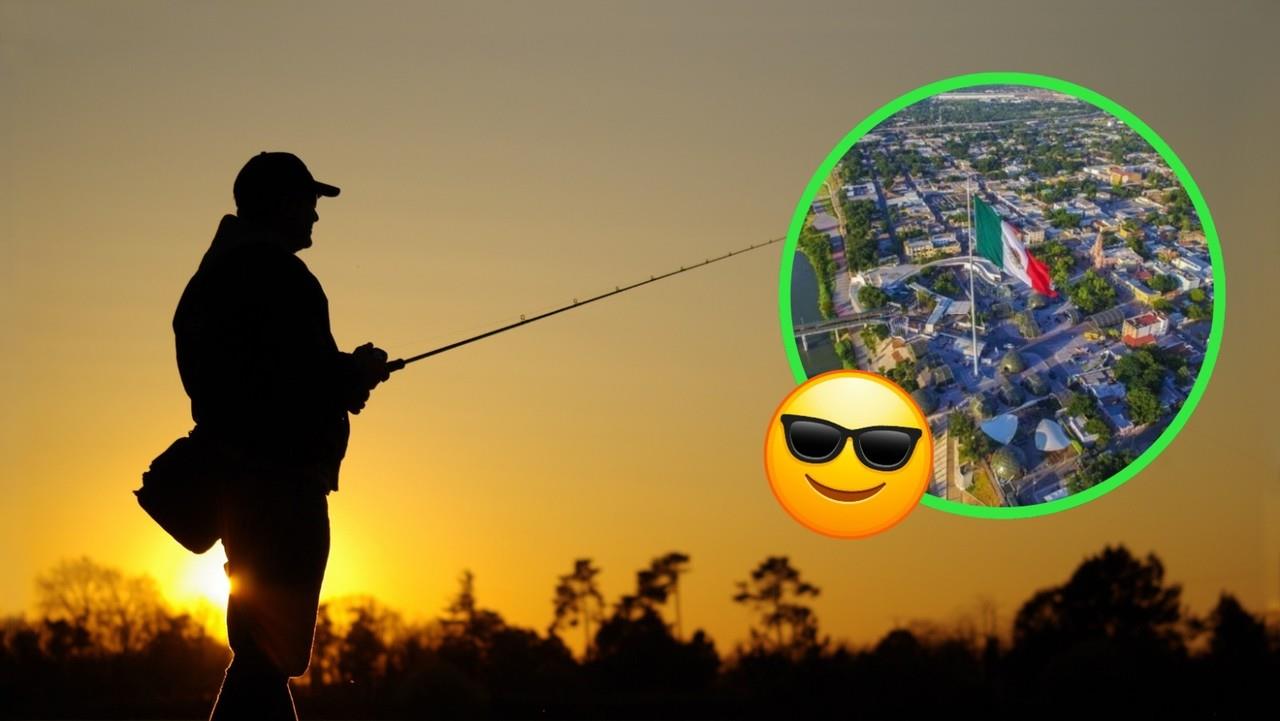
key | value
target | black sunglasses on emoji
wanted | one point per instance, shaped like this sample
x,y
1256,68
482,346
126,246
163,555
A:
x,y
817,440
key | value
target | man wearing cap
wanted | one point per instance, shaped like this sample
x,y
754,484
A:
x,y
270,393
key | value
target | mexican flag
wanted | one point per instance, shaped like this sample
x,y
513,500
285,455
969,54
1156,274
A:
x,y
1001,243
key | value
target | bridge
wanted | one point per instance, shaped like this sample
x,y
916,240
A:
x,y
804,330
888,276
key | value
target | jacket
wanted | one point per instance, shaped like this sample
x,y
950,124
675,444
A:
x,y
258,360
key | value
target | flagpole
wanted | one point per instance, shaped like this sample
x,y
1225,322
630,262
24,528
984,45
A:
x,y
973,299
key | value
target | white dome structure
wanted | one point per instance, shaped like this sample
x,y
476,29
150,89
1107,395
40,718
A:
x,y
1050,436
1001,428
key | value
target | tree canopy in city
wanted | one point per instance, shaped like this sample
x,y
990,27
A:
x,y
872,297
1092,293
1144,407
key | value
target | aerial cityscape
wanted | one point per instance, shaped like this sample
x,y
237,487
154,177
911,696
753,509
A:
x,y
1079,366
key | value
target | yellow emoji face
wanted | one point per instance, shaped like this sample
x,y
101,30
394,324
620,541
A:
x,y
848,454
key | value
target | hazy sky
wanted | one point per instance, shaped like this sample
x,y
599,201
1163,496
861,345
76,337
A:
x,y
497,159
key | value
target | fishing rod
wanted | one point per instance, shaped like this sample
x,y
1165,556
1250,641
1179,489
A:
x,y
395,365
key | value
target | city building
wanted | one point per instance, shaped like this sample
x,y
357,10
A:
x,y
1122,257
1002,428
1141,291
1036,384
935,375
861,191
940,309
964,346
1192,238
1186,281
1144,328
1108,317
925,398
1118,175
942,244
1076,424
1032,234
1050,437
824,222
1191,265
1100,385
1117,417
918,248
1155,196
945,244
907,198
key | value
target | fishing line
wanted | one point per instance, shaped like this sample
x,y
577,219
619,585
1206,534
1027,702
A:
x,y
399,363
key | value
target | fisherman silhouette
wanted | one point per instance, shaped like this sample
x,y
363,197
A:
x,y
270,393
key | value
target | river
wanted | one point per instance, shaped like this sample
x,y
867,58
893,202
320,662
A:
x,y
821,355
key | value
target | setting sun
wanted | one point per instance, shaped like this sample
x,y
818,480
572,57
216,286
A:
x,y
204,578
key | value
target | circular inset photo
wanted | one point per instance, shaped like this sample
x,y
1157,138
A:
x,y
1033,264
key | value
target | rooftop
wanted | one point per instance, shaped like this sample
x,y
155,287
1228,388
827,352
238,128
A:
x,y
1151,317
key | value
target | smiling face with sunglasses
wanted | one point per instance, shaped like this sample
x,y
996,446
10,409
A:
x,y
848,454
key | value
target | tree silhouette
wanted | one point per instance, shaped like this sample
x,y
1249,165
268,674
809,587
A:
x,y
469,629
362,658
572,601
655,585
1239,664
325,650
511,670
1237,638
1111,639
637,661
1115,626
1112,595
118,614
362,651
65,639
776,591
105,646
642,668
666,571
464,616
353,647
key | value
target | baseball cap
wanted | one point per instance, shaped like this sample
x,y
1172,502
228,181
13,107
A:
x,y
268,177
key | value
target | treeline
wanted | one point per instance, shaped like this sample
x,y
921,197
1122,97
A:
x,y
952,111
1113,639
860,224
1044,151
859,243
1143,371
816,248
1092,293
892,163
1065,189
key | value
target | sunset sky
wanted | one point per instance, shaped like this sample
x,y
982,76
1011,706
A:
x,y
499,159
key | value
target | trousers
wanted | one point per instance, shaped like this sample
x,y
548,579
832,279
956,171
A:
x,y
275,531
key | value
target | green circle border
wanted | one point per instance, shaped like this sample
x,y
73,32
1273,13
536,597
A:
x,y
1124,115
